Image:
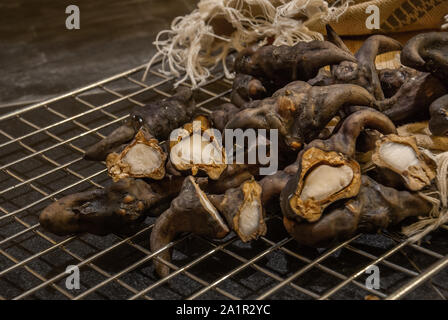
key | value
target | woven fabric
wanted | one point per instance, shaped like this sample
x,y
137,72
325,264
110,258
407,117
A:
x,y
395,16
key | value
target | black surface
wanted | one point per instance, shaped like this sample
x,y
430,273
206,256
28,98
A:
x,y
39,57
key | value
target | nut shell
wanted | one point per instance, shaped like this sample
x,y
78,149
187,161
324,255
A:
x,y
214,169
311,209
119,169
414,177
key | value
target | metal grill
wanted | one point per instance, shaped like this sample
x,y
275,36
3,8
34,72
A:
x,y
41,148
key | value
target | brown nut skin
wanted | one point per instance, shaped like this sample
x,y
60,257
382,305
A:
x,y
273,185
334,38
246,88
323,78
408,91
158,118
363,72
112,142
438,122
413,178
283,64
336,151
392,79
411,101
102,211
344,140
232,177
428,52
375,207
190,211
300,111
231,205
222,115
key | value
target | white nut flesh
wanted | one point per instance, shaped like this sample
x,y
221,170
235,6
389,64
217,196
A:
x,y
142,159
324,181
398,156
249,219
196,149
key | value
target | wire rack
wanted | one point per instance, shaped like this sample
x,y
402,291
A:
x,y
41,148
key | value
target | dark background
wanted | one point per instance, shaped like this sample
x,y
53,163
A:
x,y
39,57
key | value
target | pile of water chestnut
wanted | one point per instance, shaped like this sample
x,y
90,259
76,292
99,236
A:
x,y
342,166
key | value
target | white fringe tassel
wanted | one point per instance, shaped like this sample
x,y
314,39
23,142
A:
x,y
445,26
439,214
193,48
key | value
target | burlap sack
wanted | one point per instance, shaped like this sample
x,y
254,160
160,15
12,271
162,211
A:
x,y
395,16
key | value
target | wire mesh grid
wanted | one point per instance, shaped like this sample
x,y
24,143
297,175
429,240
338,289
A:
x,y
41,148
